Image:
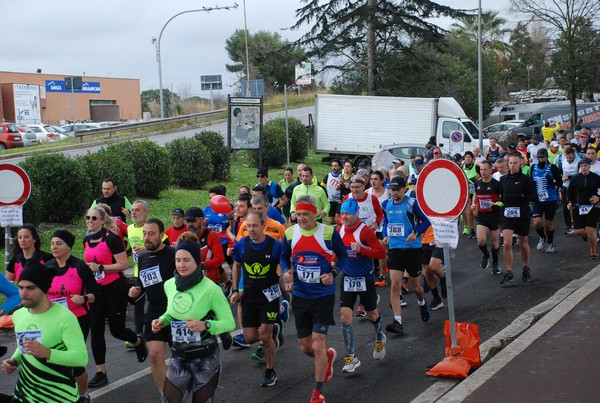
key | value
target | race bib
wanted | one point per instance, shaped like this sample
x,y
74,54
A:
x,y
29,335
512,212
182,334
583,210
62,301
485,204
99,275
395,229
273,292
216,228
308,274
150,276
355,284
542,196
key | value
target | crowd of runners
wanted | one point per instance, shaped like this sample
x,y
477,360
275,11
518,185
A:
x,y
282,248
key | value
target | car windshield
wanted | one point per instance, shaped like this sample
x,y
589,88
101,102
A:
x,y
36,129
471,128
58,129
12,128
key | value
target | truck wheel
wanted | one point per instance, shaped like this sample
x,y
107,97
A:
x,y
360,159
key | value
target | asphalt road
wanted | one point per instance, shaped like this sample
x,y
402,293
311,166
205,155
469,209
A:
x,y
162,139
400,376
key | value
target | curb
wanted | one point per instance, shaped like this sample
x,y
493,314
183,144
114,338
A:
x,y
515,338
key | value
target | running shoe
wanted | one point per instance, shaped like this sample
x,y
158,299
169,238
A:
x,y
350,363
382,282
141,350
466,230
508,278
593,255
515,241
317,397
402,301
436,304
495,268
541,243
269,379
240,342
85,399
259,354
100,379
425,312
226,340
526,276
379,351
569,231
405,288
472,235
331,355
485,261
276,331
360,311
284,311
395,327
550,248
129,346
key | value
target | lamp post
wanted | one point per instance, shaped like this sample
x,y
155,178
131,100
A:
x,y
479,80
205,9
529,68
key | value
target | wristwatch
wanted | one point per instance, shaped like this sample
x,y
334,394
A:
x,y
207,324
100,268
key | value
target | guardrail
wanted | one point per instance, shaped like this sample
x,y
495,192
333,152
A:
x,y
136,126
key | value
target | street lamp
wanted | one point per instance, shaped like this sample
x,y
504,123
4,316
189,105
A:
x,y
205,9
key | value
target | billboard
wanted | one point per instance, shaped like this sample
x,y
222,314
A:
x,y
60,86
245,123
304,73
209,83
27,103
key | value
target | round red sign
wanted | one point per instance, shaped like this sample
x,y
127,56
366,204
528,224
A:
x,y
16,185
442,189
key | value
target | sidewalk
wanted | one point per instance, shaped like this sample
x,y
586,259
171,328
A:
x,y
554,359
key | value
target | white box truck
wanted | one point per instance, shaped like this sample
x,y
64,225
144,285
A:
x,y
360,126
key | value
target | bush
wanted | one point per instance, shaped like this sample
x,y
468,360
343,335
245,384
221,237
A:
x,y
151,167
220,155
274,144
191,162
114,162
60,191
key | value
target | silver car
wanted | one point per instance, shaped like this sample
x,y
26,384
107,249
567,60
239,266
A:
x,y
396,151
29,136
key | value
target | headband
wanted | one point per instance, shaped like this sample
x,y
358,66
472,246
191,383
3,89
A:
x,y
307,207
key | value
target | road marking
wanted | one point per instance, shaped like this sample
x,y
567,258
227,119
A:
x,y
529,329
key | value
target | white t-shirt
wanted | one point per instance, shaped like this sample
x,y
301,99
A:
x,y
532,149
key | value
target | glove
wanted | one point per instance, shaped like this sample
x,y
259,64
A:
x,y
499,204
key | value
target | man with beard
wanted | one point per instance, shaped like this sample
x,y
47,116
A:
x,y
156,265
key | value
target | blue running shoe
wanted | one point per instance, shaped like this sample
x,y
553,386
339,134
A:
x,y
240,342
284,311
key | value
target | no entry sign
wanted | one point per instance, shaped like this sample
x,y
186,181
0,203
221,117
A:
x,y
442,189
16,185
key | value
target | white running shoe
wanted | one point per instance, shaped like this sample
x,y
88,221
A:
x,y
550,248
379,351
541,243
350,364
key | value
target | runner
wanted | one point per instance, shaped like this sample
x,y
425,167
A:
x,y
569,166
196,312
471,170
517,191
378,190
156,265
358,280
259,254
547,180
487,194
403,224
583,199
177,228
49,343
26,245
306,265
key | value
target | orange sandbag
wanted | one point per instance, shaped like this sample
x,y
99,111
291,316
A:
x,y
6,322
452,367
467,338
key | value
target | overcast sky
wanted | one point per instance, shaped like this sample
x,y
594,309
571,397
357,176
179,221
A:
x,y
113,38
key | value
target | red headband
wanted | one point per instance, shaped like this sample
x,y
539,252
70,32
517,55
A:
x,y
307,207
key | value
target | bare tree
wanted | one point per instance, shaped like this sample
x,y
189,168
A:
x,y
184,90
564,18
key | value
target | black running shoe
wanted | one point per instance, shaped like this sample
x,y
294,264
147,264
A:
x,y
526,276
100,379
495,268
485,261
425,312
395,327
141,350
226,340
269,379
436,304
508,278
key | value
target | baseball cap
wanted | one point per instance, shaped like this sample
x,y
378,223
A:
x,y
395,161
585,161
362,172
397,183
263,172
437,151
542,152
193,213
457,157
554,144
584,135
512,146
178,211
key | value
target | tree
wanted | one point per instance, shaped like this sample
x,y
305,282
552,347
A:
x,y
271,58
567,18
358,35
170,99
529,67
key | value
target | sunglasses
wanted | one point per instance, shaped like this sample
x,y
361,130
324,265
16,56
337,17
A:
x,y
91,218
260,176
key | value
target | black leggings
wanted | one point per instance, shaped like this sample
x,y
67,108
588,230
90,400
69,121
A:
x,y
111,303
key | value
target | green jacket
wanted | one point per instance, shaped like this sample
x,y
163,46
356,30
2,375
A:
x,y
315,191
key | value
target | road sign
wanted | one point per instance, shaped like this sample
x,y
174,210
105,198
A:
x,y
16,185
457,142
212,82
442,189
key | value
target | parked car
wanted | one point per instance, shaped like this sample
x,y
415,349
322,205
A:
x,y
71,128
59,133
43,135
499,131
10,136
400,151
29,136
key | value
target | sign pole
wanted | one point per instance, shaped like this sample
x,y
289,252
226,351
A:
x,y
7,241
451,315
287,132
